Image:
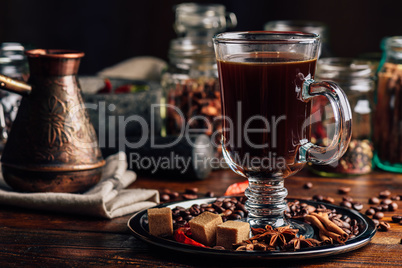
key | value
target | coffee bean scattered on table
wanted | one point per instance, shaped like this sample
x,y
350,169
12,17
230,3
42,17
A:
x,y
374,201
396,218
384,194
378,215
344,190
384,226
308,185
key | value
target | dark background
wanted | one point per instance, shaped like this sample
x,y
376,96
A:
x,y
112,31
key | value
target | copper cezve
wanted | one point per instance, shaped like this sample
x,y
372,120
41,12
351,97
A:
x,y
52,146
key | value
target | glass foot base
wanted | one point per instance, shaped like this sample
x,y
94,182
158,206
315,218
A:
x,y
305,229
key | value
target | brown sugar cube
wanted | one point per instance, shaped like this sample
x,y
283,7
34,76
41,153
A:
x,y
203,227
160,221
232,232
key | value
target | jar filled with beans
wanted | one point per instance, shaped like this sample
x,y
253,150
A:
x,y
356,78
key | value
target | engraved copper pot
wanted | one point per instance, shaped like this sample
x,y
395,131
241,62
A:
x,y
52,146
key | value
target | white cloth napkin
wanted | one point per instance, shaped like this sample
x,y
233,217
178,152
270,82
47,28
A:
x,y
107,199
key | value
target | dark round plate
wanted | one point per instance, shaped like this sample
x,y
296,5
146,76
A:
x,y
139,228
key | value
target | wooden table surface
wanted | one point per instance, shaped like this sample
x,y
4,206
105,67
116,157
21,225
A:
x,y
37,238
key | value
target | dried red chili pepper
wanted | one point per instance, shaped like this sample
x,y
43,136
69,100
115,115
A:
x,y
237,188
181,235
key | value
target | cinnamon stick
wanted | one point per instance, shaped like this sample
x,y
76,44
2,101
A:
x,y
340,238
330,226
325,239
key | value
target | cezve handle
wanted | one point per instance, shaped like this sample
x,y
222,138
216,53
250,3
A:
x,y
15,86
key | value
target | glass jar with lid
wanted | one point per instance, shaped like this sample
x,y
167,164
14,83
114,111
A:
x,y
356,78
190,83
194,19
307,26
388,116
191,88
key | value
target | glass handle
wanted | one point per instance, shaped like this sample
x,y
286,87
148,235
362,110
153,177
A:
x,y
310,152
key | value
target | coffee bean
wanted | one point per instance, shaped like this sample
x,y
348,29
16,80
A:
x,y
393,206
378,215
384,226
184,213
188,217
346,204
318,197
210,209
396,198
386,201
385,207
227,212
308,185
240,212
396,218
219,209
347,198
165,197
377,208
374,201
193,190
234,216
376,222
357,206
344,190
384,194
241,207
174,195
210,194
189,196
227,204
328,199
181,223
370,212
346,218
194,211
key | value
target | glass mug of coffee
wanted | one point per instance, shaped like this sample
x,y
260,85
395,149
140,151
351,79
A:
x,y
266,82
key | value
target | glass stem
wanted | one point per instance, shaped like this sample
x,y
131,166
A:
x,y
266,202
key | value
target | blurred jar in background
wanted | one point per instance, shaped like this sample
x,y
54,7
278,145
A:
x,y
356,78
190,83
304,26
13,63
191,87
202,19
388,117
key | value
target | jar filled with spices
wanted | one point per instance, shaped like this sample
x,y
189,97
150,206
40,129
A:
x,y
388,116
190,83
356,78
192,89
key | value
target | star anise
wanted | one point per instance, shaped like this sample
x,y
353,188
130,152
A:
x,y
252,245
274,237
301,242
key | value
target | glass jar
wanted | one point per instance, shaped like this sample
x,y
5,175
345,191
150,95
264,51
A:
x,y
304,26
388,116
206,20
191,88
355,77
13,63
